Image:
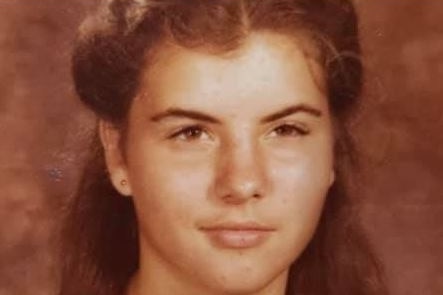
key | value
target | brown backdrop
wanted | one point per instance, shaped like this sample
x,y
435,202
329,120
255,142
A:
x,y
43,127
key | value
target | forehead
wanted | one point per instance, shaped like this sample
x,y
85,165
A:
x,y
268,68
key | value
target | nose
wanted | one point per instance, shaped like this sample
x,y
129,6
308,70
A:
x,y
241,173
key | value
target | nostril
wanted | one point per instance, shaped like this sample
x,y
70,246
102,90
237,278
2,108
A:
x,y
256,196
233,194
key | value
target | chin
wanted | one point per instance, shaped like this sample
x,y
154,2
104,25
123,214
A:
x,y
241,288
246,283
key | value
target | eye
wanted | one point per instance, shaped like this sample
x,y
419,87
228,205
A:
x,y
289,130
190,133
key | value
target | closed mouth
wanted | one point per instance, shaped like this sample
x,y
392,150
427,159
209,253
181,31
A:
x,y
237,226
237,235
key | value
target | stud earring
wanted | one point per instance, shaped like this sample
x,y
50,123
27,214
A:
x,y
123,182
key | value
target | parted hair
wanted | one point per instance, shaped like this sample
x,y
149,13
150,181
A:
x,y
99,240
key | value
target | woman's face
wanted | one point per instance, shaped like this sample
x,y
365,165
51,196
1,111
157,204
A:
x,y
228,161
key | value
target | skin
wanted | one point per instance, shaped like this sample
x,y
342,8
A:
x,y
222,139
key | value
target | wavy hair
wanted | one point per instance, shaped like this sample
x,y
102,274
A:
x,y
115,45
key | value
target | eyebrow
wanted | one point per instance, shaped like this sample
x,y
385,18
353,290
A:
x,y
182,113
196,115
300,108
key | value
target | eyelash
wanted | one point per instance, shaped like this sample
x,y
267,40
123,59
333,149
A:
x,y
194,132
291,130
188,133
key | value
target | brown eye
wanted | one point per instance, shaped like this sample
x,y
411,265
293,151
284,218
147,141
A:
x,y
190,133
290,130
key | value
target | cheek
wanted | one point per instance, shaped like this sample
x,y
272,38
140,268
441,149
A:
x,y
301,187
167,188
299,199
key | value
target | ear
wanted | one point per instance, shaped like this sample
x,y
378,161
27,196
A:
x,y
110,138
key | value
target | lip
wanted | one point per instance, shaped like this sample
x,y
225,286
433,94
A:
x,y
237,235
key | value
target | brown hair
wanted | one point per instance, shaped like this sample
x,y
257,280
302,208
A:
x,y
100,247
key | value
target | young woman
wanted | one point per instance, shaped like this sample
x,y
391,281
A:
x,y
222,151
